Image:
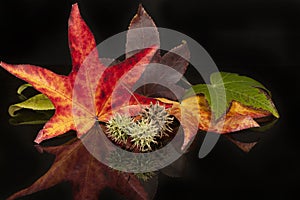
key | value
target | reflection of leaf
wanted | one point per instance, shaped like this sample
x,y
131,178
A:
x,y
244,146
246,139
88,176
94,83
265,126
237,88
31,117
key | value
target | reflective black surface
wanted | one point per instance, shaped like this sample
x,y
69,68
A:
x,y
254,38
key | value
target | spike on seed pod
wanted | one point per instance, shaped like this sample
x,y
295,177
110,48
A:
x,y
117,127
159,117
143,134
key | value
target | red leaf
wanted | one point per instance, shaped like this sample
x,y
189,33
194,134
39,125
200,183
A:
x,y
81,39
90,81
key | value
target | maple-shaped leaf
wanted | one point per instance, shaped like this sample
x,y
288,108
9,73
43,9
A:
x,y
242,89
143,32
165,73
91,82
75,164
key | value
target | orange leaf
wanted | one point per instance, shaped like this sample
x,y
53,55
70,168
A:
x,y
238,117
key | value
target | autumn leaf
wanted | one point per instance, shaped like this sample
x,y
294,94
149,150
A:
x,y
88,177
242,89
89,77
142,32
188,112
197,111
165,73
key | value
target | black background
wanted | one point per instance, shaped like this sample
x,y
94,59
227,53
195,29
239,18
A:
x,y
259,39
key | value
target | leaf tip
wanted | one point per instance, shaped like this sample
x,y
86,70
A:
x,y
74,11
39,138
141,16
6,66
2,64
276,114
141,10
74,6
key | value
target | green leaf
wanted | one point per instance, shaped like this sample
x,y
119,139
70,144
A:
x,y
37,102
226,87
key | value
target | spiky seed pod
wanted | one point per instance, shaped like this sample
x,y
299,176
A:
x,y
158,116
117,127
155,122
143,134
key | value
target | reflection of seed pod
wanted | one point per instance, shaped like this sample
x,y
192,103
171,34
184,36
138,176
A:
x,y
159,117
117,127
145,176
120,161
143,134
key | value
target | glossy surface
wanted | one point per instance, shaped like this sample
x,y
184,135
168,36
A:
x,y
253,38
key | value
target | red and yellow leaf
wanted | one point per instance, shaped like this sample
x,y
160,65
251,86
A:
x,y
85,95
